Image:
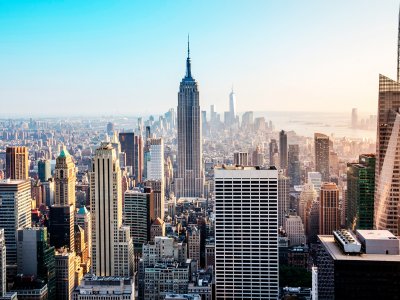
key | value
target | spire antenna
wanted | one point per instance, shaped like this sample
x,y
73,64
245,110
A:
x,y
398,50
188,46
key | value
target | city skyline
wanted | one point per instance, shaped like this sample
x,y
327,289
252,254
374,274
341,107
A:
x,y
105,54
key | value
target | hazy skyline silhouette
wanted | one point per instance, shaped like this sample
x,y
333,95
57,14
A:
x,y
103,57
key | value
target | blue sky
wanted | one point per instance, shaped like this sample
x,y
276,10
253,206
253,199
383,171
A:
x,y
127,57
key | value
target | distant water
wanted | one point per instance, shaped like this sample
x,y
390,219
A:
x,y
307,123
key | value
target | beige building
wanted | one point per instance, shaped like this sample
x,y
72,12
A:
x,y
321,145
17,163
157,228
193,241
112,249
329,214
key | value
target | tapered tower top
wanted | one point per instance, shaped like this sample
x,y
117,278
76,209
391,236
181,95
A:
x,y
188,76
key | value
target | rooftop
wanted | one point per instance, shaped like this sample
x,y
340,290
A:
x,y
336,253
376,234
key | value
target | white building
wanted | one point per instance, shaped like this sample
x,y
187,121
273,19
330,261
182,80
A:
x,y
112,247
316,179
106,288
295,230
155,166
246,233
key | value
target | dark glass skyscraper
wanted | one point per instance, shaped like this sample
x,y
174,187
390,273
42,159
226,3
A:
x,y
283,150
360,193
189,182
127,141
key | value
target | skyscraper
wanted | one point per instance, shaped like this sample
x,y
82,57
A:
x,y
294,165
329,214
321,144
360,193
139,214
127,141
17,165
138,157
62,212
44,170
232,106
246,233
36,257
387,184
112,249
283,198
155,166
190,179
283,149
15,213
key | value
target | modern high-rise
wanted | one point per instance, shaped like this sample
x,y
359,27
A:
x,y
321,144
127,141
15,213
155,165
246,233
329,214
112,250
294,165
387,183
139,214
241,158
190,177
360,193
44,170
232,107
36,257
283,198
3,264
351,265
155,174
283,149
138,158
62,212
17,164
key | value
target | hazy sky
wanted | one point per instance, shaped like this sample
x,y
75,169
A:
x,y
128,57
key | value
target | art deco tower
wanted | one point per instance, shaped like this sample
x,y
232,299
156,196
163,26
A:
x,y
387,167
62,212
112,250
189,182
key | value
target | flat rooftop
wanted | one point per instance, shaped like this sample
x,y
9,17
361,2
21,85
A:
x,y
337,254
376,234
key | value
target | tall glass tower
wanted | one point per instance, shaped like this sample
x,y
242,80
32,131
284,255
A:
x,y
190,179
387,183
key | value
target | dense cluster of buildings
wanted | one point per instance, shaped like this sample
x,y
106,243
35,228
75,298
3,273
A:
x,y
192,207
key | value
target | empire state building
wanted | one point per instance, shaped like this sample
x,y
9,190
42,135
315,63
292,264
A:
x,y
190,179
